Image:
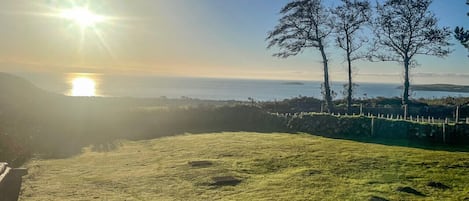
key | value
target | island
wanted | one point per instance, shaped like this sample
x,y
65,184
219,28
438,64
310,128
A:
x,y
293,83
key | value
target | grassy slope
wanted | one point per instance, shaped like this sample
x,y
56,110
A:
x,y
272,166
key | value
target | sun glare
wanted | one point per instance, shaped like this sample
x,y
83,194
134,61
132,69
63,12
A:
x,y
83,86
82,16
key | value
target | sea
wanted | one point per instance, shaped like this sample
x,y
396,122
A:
x,y
219,89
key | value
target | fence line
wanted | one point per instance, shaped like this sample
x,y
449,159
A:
x,y
414,119
361,109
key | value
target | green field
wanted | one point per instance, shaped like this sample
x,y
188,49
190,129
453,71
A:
x,y
270,166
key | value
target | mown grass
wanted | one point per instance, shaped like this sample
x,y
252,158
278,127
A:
x,y
272,167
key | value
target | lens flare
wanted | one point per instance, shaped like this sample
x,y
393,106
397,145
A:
x,y
82,16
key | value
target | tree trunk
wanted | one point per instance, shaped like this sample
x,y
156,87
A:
x,y
349,91
327,88
405,95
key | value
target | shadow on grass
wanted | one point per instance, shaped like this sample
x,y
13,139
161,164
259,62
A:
x,y
110,145
410,143
113,143
405,143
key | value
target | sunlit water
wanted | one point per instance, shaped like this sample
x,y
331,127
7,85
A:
x,y
216,89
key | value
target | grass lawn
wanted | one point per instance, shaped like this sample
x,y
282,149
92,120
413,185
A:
x,y
270,166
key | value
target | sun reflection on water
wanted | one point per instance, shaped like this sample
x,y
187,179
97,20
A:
x,y
83,85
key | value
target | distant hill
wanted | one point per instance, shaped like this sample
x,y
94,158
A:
x,y
440,87
16,92
14,85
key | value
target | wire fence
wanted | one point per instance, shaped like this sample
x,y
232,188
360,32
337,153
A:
x,y
379,112
416,119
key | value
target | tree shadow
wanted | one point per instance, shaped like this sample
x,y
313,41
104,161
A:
x,y
432,146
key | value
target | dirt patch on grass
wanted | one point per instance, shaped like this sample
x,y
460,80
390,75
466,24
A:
x,y
438,185
200,163
376,198
225,181
409,190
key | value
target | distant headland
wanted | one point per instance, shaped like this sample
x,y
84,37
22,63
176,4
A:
x,y
440,87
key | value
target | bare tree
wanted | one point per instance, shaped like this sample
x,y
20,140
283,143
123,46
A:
x,y
462,35
304,24
350,18
406,28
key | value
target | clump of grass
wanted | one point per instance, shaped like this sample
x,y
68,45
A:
x,y
269,166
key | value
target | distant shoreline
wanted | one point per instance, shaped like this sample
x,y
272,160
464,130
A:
x,y
439,87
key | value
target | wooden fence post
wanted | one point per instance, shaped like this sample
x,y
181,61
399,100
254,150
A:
x,y
457,114
405,111
444,132
372,125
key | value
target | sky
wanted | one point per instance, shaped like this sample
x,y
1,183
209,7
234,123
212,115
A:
x,y
191,38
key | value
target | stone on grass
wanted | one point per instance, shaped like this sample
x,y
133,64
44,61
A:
x,y
409,190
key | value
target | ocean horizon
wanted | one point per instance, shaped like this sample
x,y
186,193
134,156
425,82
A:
x,y
220,88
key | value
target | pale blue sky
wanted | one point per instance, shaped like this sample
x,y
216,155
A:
x,y
194,38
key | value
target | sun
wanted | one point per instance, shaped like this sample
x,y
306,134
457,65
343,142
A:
x,y
83,86
82,16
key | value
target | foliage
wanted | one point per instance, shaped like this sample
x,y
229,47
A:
x,y
304,24
406,28
361,127
446,101
350,17
14,151
461,35
293,105
61,133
